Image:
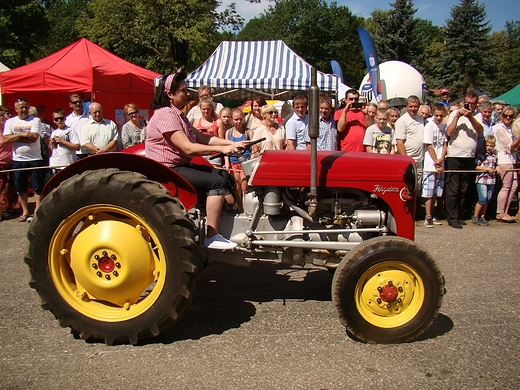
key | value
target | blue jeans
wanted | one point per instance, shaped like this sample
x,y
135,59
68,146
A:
x,y
485,192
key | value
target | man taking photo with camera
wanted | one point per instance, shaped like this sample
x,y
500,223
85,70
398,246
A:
x,y
351,123
463,130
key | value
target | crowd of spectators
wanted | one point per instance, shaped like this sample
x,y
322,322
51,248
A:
x,y
33,149
465,151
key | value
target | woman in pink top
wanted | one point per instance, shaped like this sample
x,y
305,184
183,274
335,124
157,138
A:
x,y
173,141
8,196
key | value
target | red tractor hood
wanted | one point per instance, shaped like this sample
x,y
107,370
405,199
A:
x,y
292,168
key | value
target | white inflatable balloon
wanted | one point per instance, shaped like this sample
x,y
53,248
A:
x,y
398,81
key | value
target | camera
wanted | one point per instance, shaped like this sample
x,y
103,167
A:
x,y
357,105
466,106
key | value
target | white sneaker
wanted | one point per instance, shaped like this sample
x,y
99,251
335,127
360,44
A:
x,y
218,242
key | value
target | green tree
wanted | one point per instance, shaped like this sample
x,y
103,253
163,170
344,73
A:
x,y
316,31
505,46
466,62
61,16
396,36
23,31
158,34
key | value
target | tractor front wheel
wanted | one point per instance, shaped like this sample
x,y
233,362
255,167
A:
x,y
387,290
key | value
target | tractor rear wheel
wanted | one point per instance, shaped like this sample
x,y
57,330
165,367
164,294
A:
x,y
387,290
113,256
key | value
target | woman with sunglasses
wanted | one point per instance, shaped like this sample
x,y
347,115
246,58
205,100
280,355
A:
x,y
507,147
133,131
273,132
172,140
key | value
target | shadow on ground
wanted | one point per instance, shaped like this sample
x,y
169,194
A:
x,y
226,295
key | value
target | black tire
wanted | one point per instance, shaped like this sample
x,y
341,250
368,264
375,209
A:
x,y
411,292
112,255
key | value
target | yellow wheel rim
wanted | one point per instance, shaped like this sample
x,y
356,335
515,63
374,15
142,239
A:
x,y
107,263
389,294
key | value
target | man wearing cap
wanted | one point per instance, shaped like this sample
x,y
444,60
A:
x,y
444,96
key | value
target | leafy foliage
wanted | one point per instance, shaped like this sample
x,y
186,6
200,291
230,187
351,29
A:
x,y
399,36
396,38
61,16
505,46
157,34
163,34
23,31
465,61
317,32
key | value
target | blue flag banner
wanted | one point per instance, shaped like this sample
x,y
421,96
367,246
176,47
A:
x,y
336,69
372,62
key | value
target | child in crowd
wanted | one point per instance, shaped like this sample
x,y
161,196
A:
x,y
393,116
487,164
435,141
379,137
225,118
64,143
237,133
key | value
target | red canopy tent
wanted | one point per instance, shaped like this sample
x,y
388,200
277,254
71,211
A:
x,y
85,68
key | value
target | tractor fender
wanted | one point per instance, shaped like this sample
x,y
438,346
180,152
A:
x,y
153,170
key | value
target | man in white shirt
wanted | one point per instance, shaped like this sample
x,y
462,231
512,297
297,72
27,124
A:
x,y
98,135
409,132
296,126
23,131
195,114
463,130
76,119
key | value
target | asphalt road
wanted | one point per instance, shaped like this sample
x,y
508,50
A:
x,y
268,327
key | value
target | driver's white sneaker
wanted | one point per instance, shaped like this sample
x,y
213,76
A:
x,y
218,242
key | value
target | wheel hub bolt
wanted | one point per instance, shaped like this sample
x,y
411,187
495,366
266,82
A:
x,y
390,283
388,306
400,289
94,265
113,257
378,301
104,253
118,265
99,273
399,300
96,257
379,289
107,277
115,273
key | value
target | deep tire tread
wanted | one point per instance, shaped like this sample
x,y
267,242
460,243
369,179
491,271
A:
x,y
84,190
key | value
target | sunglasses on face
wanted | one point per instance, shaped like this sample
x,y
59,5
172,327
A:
x,y
58,118
132,113
272,112
76,102
508,116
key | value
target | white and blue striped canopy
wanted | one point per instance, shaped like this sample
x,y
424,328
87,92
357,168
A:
x,y
239,69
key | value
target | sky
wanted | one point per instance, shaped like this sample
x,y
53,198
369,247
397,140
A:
x,y
498,11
